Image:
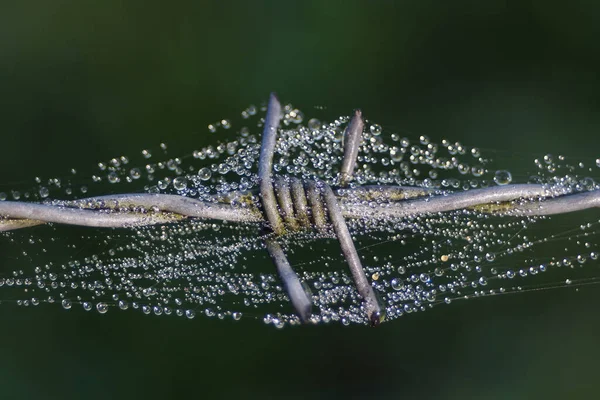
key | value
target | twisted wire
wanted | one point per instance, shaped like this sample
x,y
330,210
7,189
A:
x,y
372,203
325,211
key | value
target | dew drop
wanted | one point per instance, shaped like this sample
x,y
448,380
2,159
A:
x,y
397,284
66,303
102,308
376,129
314,124
502,177
113,177
180,183
135,173
204,174
44,192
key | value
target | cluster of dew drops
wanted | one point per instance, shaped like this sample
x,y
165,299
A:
x,y
222,270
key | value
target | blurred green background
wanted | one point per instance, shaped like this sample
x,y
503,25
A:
x,y
83,81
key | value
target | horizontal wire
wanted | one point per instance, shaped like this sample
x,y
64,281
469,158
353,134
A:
x,y
108,211
78,216
537,202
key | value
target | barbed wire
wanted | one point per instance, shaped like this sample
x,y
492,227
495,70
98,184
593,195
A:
x,y
286,204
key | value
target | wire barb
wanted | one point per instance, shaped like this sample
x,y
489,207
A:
x,y
265,164
352,139
293,286
363,286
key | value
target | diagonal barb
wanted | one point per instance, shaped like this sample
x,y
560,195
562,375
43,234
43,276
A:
x,y
363,286
294,288
265,165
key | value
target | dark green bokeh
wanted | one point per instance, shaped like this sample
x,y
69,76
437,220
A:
x,y
86,81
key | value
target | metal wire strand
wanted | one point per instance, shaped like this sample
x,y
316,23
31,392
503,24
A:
x,y
286,204
317,210
77,216
363,286
474,198
295,290
355,203
352,139
299,201
560,205
171,203
265,165
115,211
